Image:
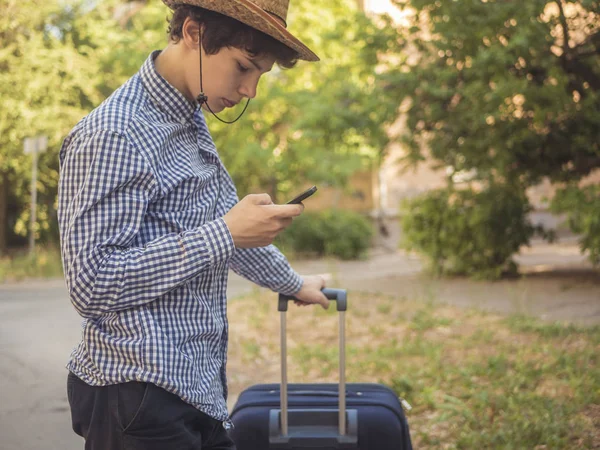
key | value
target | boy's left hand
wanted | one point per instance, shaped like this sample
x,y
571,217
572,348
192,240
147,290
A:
x,y
310,293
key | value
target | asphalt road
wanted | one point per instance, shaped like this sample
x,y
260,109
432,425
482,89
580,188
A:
x,y
38,329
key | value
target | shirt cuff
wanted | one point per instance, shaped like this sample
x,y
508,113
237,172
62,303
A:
x,y
219,243
292,284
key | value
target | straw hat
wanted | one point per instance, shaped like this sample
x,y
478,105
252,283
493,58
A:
x,y
268,16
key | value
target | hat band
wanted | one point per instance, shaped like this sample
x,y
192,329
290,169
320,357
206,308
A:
x,y
277,16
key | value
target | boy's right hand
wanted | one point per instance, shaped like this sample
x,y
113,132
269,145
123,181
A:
x,y
255,221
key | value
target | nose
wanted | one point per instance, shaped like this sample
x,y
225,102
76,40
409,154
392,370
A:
x,y
248,88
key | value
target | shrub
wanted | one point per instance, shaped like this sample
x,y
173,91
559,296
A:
x,y
465,232
582,207
343,234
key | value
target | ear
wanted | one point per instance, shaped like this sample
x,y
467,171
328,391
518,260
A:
x,y
191,34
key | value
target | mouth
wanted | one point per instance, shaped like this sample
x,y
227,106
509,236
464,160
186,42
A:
x,y
228,103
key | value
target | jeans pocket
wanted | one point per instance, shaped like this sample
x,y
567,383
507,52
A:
x,y
80,402
131,399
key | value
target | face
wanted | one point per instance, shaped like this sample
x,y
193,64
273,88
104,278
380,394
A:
x,y
231,76
228,77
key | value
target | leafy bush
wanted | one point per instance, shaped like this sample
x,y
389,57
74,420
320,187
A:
x,y
344,234
582,206
466,232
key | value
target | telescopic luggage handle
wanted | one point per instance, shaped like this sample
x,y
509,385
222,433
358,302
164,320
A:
x,y
341,299
338,295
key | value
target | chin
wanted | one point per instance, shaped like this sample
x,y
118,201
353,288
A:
x,y
216,108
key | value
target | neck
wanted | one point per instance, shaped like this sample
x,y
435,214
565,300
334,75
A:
x,y
170,65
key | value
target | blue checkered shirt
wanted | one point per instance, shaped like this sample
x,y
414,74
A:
x,y
145,250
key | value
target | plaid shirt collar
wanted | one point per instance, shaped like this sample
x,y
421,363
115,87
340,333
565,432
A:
x,y
163,94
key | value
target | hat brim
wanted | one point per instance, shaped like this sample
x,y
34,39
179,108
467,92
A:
x,y
248,13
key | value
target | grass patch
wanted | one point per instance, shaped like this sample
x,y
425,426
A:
x,y
521,323
45,263
475,380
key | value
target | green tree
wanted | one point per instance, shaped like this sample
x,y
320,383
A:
x,y
507,91
46,85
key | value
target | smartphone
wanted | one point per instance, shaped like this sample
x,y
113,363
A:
x,y
303,196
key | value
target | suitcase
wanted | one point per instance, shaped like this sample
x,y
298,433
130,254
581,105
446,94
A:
x,y
361,416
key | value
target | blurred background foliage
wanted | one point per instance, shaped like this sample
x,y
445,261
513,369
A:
x,y
500,94
329,233
319,122
503,95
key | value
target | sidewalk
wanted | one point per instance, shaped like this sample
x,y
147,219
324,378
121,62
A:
x,y
558,283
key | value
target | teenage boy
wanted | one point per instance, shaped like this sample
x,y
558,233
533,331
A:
x,y
150,223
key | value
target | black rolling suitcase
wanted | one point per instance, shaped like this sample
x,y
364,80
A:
x,y
368,416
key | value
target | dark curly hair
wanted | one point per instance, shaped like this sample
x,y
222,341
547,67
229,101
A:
x,y
222,31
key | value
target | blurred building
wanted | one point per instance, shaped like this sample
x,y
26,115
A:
x,y
379,191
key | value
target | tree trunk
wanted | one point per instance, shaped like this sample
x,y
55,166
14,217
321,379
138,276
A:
x,y
3,211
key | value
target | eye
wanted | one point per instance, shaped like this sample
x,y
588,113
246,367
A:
x,y
242,68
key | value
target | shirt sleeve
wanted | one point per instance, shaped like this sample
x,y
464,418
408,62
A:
x,y
265,266
104,190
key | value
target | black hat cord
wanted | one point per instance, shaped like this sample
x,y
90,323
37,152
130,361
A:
x,y
202,98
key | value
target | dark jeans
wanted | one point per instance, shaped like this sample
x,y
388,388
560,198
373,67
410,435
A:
x,y
140,416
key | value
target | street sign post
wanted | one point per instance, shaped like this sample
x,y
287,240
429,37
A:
x,y
34,146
